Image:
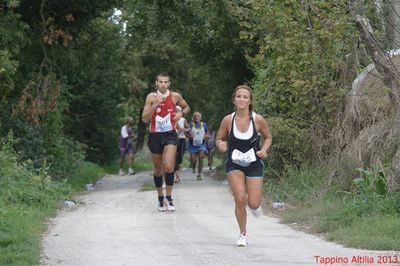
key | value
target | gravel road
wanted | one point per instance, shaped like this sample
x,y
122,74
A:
x,y
118,224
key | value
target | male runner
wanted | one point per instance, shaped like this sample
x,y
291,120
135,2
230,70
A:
x,y
160,110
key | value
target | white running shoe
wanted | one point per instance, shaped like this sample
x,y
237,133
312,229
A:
x,y
170,205
131,171
256,212
121,172
161,207
242,241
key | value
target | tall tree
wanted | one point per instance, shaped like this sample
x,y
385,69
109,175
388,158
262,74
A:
x,y
196,41
37,87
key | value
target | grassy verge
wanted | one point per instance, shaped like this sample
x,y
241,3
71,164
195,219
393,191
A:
x,y
371,232
359,217
27,199
147,187
88,173
21,230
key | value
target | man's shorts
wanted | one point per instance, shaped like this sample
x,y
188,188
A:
x,y
158,140
128,150
254,170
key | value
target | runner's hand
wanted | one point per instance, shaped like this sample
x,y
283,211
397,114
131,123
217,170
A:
x,y
159,98
178,116
222,146
262,154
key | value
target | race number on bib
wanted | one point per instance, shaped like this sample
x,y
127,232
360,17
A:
x,y
198,139
163,124
243,159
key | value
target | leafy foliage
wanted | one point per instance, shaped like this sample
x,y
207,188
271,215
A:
x,y
192,40
97,85
371,183
62,63
13,39
289,146
300,53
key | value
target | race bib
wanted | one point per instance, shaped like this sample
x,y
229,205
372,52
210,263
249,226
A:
x,y
243,159
198,139
163,124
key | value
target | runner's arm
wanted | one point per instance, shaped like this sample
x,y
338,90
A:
x,y
183,104
266,134
186,127
148,108
223,130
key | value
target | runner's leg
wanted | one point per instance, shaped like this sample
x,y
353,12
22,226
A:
x,y
169,163
254,192
201,158
158,169
193,158
238,186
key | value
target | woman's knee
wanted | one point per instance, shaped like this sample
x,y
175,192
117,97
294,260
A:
x,y
240,202
254,204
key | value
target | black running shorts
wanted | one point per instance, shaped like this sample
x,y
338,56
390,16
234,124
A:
x,y
254,170
157,141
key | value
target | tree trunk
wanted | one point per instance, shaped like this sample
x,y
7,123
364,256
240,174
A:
x,y
382,60
393,24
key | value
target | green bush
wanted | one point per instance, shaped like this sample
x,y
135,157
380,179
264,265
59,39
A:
x,y
289,146
21,185
28,195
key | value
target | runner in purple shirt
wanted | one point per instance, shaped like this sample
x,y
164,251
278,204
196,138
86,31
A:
x,y
126,147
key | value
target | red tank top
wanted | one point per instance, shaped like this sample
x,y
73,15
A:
x,y
162,119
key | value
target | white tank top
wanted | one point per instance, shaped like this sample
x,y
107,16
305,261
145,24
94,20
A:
x,y
243,135
181,124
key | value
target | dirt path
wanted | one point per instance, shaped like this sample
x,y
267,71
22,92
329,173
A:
x,y
119,225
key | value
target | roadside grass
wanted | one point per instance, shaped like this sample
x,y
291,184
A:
x,y
29,197
147,187
87,173
314,204
374,232
20,235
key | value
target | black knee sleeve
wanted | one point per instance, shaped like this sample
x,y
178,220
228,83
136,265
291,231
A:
x,y
158,181
169,179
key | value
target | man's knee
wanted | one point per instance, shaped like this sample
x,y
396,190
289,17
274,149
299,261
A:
x,y
169,168
158,172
